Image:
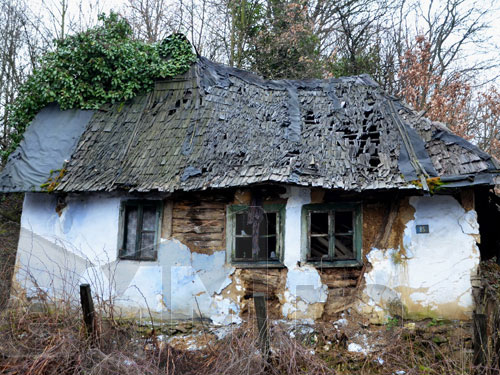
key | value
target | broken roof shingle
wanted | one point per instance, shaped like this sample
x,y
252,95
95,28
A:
x,y
217,127
220,127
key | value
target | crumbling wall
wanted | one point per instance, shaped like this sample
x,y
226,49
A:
x,y
199,224
62,247
402,272
424,274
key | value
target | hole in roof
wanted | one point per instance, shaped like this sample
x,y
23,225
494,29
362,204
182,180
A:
x,y
374,161
309,118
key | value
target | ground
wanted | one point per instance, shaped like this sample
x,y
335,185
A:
x,y
49,342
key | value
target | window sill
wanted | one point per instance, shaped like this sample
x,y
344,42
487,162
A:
x,y
137,259
265,265
336,264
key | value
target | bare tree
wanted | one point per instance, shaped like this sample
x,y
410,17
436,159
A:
x,y
13,63
151,20
452,27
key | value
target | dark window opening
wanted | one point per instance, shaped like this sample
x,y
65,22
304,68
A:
x,y
140,230
331,235
255,234
487,206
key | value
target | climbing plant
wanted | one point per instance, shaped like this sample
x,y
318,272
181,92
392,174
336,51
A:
x,y
103,64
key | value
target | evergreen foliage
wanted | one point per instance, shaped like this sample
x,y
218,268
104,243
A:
x,y
101,65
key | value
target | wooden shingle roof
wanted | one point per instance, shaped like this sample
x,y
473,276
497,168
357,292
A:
x,y
218,127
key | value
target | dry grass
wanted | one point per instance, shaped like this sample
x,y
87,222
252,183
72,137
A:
x,y
38,339
53,341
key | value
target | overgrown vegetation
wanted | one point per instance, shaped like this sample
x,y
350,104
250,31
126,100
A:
x,y
101,65
36,339
10,216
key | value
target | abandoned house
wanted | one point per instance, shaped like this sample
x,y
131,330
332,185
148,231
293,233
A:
x,y
325,195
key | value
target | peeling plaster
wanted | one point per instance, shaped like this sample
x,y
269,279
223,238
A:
x,y
433,277
429,275
84,241
305,295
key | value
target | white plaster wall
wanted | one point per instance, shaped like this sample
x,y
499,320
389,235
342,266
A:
x,y
57,253
431,276
305,295
55,250
88,225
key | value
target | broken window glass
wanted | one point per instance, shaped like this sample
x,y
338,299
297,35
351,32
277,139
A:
x,y
256,235
140,230
331,233
130,230
344,247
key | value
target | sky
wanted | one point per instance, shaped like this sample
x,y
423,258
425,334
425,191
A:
x,y
492,35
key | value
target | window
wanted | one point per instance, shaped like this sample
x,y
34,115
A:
x,y
331,234
255,234
139,229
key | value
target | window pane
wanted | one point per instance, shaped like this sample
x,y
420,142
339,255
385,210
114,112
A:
x,y
268,224
130,230
149,218
242,226
267,248
147,245
343,222
319,222
319,247
243,248
344,248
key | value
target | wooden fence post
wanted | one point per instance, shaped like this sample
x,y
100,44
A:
x,y
88,310
261,312
480,339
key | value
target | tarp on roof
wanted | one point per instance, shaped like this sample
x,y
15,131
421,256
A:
x,y
48,143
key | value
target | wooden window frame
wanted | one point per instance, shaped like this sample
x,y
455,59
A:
x,y
139,203
279,209
355,207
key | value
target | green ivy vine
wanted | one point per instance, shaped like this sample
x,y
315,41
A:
x,y
101,65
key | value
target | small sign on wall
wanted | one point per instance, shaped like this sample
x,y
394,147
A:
x,y
422,228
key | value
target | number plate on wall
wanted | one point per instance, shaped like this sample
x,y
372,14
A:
x,y
423,228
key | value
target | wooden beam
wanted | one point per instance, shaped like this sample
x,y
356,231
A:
x,y
261,312
480,339
88,311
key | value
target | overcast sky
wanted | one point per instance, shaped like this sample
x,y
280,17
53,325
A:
x,y
473,54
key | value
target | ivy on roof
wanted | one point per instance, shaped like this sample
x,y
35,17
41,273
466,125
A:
x,y
101,65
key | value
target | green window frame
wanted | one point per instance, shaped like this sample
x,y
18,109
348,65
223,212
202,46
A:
x,y
326,214
234,238
139,232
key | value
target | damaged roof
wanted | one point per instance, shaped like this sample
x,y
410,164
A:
x,y
218,127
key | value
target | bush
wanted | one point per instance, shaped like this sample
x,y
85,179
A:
x,y
101,65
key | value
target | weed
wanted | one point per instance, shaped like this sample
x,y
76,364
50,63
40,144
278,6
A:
x,y
392,322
